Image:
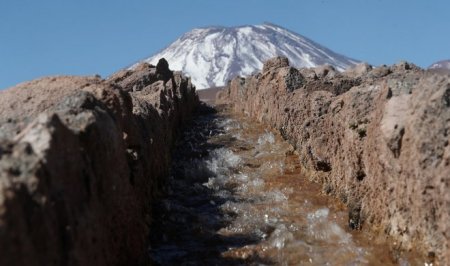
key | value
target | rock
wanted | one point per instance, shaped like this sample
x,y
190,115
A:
x,y
21,104
359,70
81,160
290,79
403,65
308,73
162,70
275,63
325,71
377,139
143,75
380,72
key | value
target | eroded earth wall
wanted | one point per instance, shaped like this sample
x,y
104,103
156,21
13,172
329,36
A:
x,y
81,159
377,138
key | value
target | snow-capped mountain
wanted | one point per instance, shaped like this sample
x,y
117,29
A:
x,y
211,56
444,64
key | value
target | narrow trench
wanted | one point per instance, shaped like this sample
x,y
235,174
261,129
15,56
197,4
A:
x,y
237,196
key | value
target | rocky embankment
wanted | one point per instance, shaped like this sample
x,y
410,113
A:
x,y
81,159
377,138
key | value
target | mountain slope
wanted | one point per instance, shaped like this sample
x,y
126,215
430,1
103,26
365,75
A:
x,y
212,56
444,64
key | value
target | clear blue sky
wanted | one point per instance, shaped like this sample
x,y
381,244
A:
x,y
85,37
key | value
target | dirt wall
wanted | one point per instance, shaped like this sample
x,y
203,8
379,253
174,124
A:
x,y
376,138
81,159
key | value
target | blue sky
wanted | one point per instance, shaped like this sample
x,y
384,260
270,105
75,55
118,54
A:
x,y
85,37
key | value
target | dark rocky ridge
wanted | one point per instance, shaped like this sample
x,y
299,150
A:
x,y
377,138
81,159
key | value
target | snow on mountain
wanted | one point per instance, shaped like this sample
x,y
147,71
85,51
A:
x,y
212,56
444,64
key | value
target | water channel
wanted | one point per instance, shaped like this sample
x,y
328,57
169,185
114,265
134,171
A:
x,y
237,196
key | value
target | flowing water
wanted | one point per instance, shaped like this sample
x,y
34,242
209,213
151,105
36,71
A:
x,y
237,196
